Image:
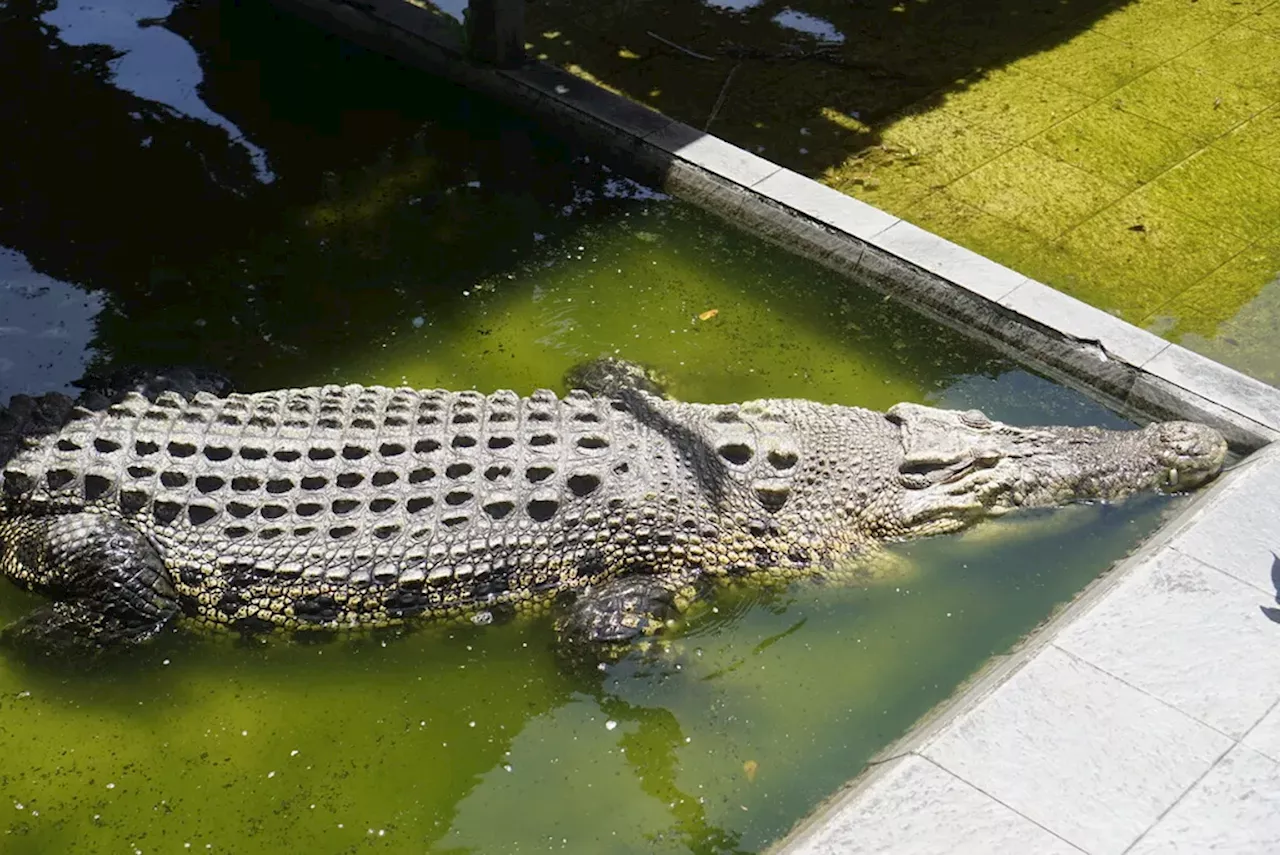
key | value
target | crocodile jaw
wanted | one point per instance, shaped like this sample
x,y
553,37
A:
x,y
959,467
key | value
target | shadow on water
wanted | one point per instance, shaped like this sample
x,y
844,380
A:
x,y
652,747
162,213
812,82
327,195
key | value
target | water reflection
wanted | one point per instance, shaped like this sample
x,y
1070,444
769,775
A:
x,y
733,5
820,28
46,329
455,9
194,258
149,61
98,185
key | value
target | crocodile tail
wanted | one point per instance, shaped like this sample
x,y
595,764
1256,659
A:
x,y
28,417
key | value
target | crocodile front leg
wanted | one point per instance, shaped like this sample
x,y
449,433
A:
x,y
108,583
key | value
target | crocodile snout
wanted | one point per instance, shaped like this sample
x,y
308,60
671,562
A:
x,y
1194,453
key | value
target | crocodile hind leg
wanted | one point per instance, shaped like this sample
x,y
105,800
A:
x,y
621,610
108,583
611,377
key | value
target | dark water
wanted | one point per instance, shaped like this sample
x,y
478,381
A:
x,y
242,192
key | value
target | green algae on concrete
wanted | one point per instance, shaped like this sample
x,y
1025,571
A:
x,y
939,146
1257,140
1241,197
1090,63
1114,145
1062,197
1168,28
1128,148
1118,259
1211,303
1015,103
1189,101
1264,20
1244,56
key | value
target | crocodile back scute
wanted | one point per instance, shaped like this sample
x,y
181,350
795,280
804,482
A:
x,y
341,480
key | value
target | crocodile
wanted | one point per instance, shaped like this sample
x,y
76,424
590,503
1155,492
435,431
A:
x,y
343,506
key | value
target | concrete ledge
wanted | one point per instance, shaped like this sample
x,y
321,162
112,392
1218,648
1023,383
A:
x,y
952,262
822,204
1187,370
738,167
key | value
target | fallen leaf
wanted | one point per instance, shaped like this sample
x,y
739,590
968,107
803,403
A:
x,y
708,314
750,768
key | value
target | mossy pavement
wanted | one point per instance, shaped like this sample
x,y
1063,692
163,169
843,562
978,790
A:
x,y
1127,154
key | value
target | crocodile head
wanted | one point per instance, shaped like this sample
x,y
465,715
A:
x,y
960,466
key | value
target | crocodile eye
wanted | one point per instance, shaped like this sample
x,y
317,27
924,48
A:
x,y
975,419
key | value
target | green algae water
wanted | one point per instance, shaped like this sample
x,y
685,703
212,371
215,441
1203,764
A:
x,y
396,231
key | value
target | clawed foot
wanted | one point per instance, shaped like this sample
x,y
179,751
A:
x,y
75,630
615,619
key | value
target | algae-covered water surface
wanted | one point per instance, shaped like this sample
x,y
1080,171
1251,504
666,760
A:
x,y
318,215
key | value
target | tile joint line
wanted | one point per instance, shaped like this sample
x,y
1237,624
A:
x,y
998,801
